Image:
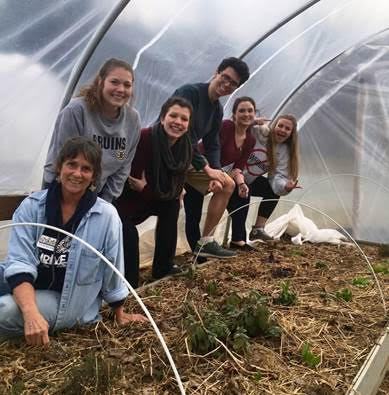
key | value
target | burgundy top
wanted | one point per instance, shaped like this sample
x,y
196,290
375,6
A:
x,y
132,203
232,157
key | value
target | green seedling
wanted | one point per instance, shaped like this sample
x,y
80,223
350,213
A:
x,y
232,321
286,298
296,252
382,267
191,273
240,342
360,282
321,265
211,288
308,357
344,294
257,376
93,372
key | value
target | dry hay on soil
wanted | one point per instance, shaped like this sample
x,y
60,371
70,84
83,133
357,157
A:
x,y
130,360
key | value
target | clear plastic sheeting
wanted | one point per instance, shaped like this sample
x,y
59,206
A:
x,y
344,139
39,45
342,109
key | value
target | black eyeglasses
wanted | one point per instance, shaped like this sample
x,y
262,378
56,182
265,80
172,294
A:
x,y
228,80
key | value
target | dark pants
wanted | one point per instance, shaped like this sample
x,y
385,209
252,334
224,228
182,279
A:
x,y
193,204
260,187
165,241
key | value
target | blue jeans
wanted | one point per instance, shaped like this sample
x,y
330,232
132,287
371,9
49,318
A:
x,y
11,318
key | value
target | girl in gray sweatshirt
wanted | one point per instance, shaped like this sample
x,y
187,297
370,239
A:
x,y
102,111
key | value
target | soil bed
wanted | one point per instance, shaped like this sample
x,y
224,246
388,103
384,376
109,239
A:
x,y
112,360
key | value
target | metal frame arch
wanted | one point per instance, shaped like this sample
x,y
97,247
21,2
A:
x,y
318,70
89,50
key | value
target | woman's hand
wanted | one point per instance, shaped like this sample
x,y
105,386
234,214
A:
x,y
260,121
123,318
243,190
36,329
215,186
290,185
137,184
215,174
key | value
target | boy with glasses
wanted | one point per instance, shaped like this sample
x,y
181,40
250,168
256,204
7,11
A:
x,y
205,174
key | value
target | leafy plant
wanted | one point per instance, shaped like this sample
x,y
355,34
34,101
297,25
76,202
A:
x,y
360,282
233,322
321,265
285,298
191,273
240,340
382,267
93,373
296,252
211,288
257,376
308,357
344,294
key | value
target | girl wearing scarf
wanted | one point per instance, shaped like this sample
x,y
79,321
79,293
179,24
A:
x,y
154,186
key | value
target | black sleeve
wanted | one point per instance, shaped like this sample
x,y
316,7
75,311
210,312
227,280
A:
x,y
190,93
116,304
20,278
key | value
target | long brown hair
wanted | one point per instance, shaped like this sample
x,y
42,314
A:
x,y
292,143
92,92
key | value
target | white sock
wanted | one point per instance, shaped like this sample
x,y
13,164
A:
x,y
205,240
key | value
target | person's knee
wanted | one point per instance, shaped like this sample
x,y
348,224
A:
x,y
9,313
229,185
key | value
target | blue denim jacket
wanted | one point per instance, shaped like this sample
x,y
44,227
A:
x,y
88,279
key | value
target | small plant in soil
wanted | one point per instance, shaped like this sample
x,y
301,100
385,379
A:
x,y
382,267
257,376
94,374
211,288
321,265
309,358
296,252
233,321
344,294
360,282
286,297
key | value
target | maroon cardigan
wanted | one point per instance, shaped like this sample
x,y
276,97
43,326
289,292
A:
x,y
131,203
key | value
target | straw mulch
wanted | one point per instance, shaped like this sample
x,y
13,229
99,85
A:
x,y
112,360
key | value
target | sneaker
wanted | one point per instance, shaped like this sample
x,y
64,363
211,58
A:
x,y
175,269
259,234
214,250
245,247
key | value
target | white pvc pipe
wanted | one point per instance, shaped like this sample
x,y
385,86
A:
x,y
138,299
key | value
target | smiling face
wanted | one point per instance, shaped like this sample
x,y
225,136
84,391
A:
x,y
76,175
176,122
116,90
223,83
282,130
244,114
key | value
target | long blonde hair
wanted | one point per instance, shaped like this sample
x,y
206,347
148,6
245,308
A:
x,y
92,92
292,143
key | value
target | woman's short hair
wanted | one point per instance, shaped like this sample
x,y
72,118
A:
x,y
241,99
81,145
92,92
172,101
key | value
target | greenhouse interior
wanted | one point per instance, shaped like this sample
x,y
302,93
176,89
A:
x,y
324,61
